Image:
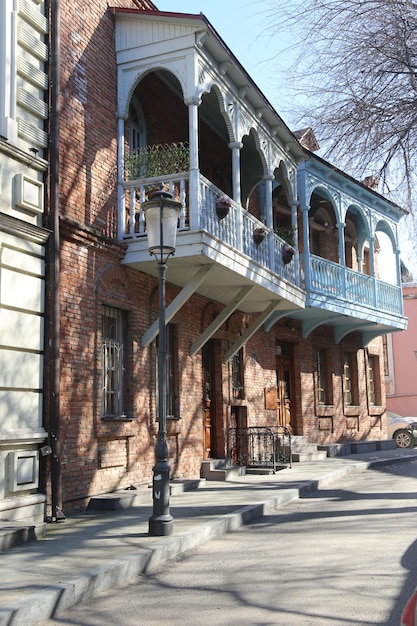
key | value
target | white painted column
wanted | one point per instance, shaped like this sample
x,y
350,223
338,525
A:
x,y
121,198
236,147
341,235
194,189
306,233
294,222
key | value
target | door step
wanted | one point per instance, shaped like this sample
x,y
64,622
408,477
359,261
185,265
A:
x,y
14,534
135,495
302,450
217,469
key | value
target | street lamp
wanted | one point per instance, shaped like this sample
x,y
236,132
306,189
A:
x,y
161,216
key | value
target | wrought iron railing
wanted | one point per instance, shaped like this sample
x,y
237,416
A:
x,y
260,447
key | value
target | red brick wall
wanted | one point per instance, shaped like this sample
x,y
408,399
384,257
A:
x,y
100,456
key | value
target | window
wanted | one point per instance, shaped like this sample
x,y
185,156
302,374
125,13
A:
x,y
347,379
321,377
113,364
374,389
237,376
172,408
350,380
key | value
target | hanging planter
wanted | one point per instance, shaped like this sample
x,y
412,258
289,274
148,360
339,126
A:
x,y
223,205
259,235
287,253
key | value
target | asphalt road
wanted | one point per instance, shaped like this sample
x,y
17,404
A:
x,y
344,555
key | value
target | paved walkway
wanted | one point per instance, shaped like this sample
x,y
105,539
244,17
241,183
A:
x,y
89,553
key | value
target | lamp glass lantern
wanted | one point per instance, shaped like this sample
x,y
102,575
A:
x,y
161,216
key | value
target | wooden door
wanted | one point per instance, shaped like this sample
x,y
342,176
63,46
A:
x,y
213,435
284,386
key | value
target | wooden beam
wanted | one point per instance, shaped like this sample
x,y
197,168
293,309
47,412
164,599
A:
x,y
178,302
222,317
251,330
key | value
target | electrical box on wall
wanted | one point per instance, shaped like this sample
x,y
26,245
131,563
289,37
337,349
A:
x,y
23,470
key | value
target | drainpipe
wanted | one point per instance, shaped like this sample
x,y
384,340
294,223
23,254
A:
x,y
54,264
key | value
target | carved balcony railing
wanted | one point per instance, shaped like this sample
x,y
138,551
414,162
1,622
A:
x,y
235,230
336,281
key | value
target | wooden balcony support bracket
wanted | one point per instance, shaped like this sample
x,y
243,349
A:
x,y
340,332
220,319
275,317
310,325
251,330
369,335
177,303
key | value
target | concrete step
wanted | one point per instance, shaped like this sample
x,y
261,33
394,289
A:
x,y
14,534
180,486
299,442
119,500
313,455
217,469
133,496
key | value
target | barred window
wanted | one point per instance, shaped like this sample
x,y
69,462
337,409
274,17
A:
x,y
322,391
113,365
350,379
237,376
374,388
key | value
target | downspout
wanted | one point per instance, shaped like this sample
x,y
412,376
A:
x,y
54,268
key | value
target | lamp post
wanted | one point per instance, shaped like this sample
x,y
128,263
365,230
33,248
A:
x,y
161,216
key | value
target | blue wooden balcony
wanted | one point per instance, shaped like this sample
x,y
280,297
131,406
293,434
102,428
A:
x,y
308,288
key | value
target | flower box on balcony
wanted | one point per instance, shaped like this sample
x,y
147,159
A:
x,y
223,205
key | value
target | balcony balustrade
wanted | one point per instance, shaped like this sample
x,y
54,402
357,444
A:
x,y
335,281
320,276
235,230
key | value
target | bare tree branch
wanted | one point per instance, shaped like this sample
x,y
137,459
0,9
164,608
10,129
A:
x,y
356,69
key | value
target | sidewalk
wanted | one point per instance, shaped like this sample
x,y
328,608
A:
x,y
89,553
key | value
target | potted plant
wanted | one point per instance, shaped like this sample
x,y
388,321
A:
x,y
287,233
259,234
287,253
223,204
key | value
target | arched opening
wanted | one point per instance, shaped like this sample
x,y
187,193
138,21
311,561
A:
x,y
323,233
251,173
214,154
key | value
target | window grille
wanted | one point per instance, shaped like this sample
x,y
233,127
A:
x,y
113,370
321,377
237,375
347,380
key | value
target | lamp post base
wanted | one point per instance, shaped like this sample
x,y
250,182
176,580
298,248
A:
x,y
161,526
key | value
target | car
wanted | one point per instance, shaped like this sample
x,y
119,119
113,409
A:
x,y
409,614
402,429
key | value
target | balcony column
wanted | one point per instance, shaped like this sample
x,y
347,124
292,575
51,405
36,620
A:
x,y
372,255
342,255
306,235
194,190
294,222
268,212
236,147
121,200
341,234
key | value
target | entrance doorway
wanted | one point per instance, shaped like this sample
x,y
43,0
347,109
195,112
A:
x,y
284,372
213,434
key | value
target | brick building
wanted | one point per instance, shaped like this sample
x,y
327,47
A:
x,y
274,310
